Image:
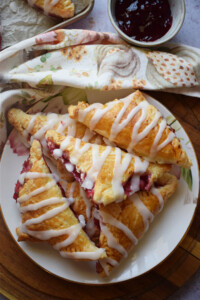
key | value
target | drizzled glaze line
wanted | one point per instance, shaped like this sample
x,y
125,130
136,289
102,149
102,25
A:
x,y
157,193
109,219
119,125
97,163
118,172
52,119
36,191
147,216
43,203
84,255
104,263
112,241
72,231
48,215
34,175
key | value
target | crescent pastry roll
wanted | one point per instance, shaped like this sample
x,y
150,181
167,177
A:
x,y
123,224
134,125
58,8
35,126
106,173
45,213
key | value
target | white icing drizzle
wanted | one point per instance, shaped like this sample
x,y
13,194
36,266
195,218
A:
x,y
69,167
67,122
78,151
52,119
49,4
155,147
118,172
104,263
97,163
84,255
107,218
38,205
45,235
136,137
88,135
72,233
48,215
87,202
36,191
99,114
83,113
71,130
57,153
112,241
166,141
119,125
30,125
135,184
72,189
34,175
157,193
147,216
140,166
82,220
65,143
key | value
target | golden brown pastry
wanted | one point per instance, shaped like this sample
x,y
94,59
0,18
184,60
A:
x,y
35,126
46,215
119,226
106,173
134,125
123,224
82,206
58,8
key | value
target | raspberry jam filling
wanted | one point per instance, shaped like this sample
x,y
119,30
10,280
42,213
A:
x,y
79,176
144,183
27,165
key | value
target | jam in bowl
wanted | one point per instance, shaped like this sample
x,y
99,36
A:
x,y
147,22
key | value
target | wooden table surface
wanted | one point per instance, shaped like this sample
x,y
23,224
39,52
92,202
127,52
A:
x,y
20,278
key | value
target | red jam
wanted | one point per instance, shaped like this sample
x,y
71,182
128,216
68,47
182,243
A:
x,y
143,20
27,165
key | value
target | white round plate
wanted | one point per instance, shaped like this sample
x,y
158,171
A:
x,y
165,233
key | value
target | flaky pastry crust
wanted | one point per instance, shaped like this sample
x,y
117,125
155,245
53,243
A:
x,y
103,191
171,153
58,221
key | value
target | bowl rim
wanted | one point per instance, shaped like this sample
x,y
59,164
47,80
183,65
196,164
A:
x,y
159,41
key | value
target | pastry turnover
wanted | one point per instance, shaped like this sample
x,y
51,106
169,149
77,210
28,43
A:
x,y
106,173
46,215
123,224
134,125
120,225
58,8
35,126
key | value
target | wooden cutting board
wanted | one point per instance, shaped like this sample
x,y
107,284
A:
x,y
20,278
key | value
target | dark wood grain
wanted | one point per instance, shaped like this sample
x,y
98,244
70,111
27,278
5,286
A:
x,y
20,278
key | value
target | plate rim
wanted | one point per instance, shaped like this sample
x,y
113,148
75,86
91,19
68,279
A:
x,y
131,278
